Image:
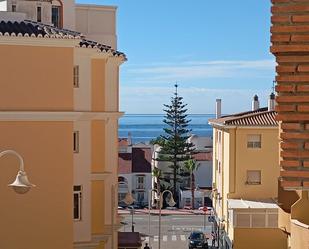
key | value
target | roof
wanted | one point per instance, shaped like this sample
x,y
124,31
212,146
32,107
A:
x,y
247,204
123,142
125,163
129,239
141,160
259,117
40,30
203,156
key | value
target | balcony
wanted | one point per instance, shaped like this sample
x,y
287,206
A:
x,y
299,234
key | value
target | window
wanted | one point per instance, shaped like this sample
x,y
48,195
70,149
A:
x,y
253,177
56,16
254,141
76,76
77,200
140,182
76,142
13,7
39,14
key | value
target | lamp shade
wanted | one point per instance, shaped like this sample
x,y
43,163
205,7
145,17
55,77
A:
x,y
128,199
21,185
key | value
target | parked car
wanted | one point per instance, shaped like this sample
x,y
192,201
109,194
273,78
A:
x,y
197,239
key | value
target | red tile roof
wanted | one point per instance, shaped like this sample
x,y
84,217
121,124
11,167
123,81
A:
x,y
129,239
260,117
124,163
123,142
203,156
141,160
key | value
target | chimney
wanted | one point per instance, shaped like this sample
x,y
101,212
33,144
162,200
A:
x,y
271,102
129,138
255,103
218,108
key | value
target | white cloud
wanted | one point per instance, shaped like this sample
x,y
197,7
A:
x,y
200,100
198,70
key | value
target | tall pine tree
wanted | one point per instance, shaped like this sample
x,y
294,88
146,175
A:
x,y
174,146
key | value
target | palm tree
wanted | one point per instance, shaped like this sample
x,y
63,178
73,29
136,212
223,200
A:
x,y
157,173
191,166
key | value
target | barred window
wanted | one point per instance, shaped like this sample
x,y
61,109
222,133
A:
x,y
254,141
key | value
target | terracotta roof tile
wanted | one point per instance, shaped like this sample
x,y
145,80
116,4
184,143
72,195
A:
x,y
125,163
260,117
39,30
141,160
203,156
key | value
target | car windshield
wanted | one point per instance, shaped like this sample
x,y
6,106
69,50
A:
x,y
197,236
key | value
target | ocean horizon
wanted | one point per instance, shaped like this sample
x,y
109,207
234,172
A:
x,y
145,127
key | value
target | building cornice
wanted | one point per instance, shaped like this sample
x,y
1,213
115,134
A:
x,y
41,42
57,116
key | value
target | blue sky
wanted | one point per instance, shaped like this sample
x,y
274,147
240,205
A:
x,y
213,49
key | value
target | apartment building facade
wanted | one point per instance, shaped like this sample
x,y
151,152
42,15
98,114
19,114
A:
x,y
245,179
59,110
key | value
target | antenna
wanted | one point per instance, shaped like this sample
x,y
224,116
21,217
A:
x,y
273,88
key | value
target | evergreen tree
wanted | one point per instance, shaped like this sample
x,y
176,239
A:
x,y
174,146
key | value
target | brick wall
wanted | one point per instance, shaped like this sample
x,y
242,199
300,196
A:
x,y
290,45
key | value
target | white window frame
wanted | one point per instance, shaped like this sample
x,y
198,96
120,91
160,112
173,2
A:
x,y
76,76
254,141
253,182
77,193
138,184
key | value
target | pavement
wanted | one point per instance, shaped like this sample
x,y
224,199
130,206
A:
x,y
163,212
175,229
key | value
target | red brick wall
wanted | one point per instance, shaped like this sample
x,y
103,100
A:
x,y
290,45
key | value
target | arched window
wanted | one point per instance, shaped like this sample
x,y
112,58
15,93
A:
x,y
57,13
122,179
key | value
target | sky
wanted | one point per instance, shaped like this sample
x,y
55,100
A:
x,y
212,49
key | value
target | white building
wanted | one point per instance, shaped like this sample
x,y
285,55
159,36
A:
x,y
88,19
203,175
135,170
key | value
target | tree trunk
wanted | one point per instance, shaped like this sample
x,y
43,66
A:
x,y
175,183
192,190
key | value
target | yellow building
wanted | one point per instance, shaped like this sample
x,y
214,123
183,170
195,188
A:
x,y
59,110
245,179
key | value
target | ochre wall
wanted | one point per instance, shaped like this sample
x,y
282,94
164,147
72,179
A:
x,y
300,236
41,218
98,84
258,238
98,146
264,159
98,207
38,78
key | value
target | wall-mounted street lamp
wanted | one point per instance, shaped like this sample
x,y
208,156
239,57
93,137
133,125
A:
x,y
21,185
127,200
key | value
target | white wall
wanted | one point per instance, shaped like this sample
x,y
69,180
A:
x,y
203,175
98,23
3,5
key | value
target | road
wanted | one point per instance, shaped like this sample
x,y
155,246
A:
x,y
175,229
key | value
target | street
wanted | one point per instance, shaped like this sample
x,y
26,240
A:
x,y
175,229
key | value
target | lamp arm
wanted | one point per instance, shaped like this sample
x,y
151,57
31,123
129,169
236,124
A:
x,y
21,161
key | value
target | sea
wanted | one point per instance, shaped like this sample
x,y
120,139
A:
x,y
145,127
